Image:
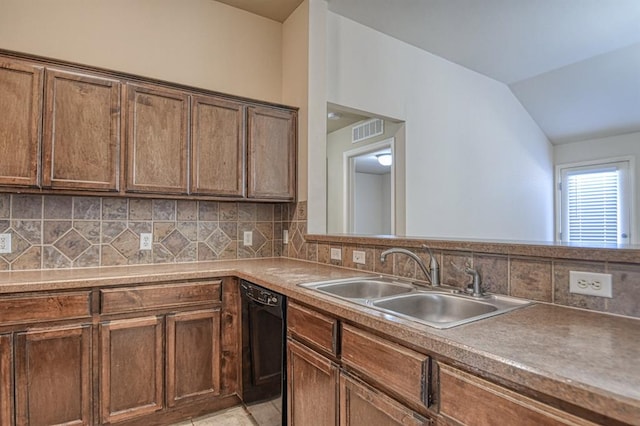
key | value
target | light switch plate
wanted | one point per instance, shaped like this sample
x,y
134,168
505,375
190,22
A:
x,y
5,243
590,283
248,238
336,254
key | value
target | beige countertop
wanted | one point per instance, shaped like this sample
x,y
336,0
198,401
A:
x,y
587,359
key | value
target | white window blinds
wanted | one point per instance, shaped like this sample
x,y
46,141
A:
x,y
595,203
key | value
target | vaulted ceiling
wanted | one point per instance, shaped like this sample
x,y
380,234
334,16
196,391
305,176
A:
x,y
573,64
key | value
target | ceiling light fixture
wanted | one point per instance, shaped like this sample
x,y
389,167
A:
x,y
384,159
334,115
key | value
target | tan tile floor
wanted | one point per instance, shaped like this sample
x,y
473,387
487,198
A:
x,y
262,414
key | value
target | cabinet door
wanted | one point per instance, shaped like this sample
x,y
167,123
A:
x,y
217,147
6,380
193,356
81,144
157,139
272,153
20,118
53,376
131,368
365,406
312,386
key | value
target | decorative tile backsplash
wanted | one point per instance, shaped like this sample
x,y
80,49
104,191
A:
x,y
64,231
536,277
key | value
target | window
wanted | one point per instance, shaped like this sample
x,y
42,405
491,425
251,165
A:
x,y
595,202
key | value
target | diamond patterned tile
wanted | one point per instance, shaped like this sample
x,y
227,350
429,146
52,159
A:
x,y
18,246
72,244
127,243
52,258
175,242
218,241
30,230
54,229
30,259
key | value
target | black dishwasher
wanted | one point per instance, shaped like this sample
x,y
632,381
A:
x,y
263,349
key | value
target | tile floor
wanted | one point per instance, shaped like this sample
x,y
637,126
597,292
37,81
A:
x,y
266,413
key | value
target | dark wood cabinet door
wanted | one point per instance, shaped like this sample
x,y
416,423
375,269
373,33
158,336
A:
x,y
193,356
217,147
20,122
271,153
312,386
157,139
362,405
6,380
131,368
53,376
81,144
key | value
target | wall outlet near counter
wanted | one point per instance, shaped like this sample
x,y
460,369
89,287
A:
x,y
5,243
336,254
146,240
590,283
248,238
359,257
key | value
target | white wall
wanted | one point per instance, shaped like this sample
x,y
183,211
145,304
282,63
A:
x,y
477,166
202,43
372,208
613,146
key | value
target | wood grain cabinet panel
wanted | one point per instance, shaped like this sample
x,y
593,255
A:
x,y
217,147
312,387
388,365
49,307
131,368
20,122
6,380
81,144
361,404
53,376
313,328
272,153
193,356
157,139
468,400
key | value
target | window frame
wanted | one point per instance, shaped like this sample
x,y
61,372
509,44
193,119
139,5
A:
x,y
628,194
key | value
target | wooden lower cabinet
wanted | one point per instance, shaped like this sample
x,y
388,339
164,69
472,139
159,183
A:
x,y
312,387
469,400
362,405
193,356
53,376
131,367
6,379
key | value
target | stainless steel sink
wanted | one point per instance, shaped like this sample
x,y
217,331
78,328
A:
x,y
437,308
362,288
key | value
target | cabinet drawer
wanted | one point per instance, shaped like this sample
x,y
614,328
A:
x,y
312,327
469,400
388,365
52,307
160,296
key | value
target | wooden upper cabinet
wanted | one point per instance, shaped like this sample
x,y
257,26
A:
x,y
217,147
20,122
81,143
157,139
272,153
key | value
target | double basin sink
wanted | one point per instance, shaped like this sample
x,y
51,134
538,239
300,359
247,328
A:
x,y
437,307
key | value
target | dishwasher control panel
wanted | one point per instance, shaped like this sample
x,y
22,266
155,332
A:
x,y
260,295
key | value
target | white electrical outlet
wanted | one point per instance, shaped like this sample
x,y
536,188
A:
x,y
359,257
336,254
590,283
285,236
5,243
248,238
146,240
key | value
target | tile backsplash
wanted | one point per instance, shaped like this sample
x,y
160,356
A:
x,y
50,231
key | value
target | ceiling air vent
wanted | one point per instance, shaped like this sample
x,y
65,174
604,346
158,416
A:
x,y
367,130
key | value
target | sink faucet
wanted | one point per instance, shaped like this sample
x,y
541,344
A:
x,y
475,287
432,273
